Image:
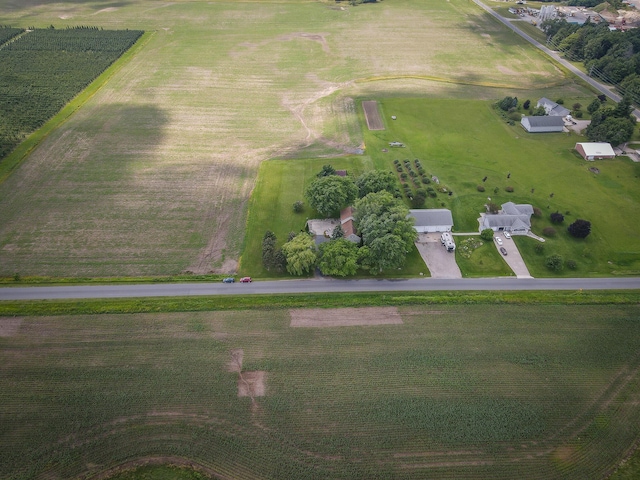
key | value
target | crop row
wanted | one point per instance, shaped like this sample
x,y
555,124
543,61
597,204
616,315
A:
x,y
7,33
44,69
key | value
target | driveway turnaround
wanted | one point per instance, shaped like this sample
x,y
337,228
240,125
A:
x,y
513,257
441,264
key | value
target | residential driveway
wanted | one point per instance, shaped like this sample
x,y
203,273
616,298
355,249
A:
x,y
513,257
441,264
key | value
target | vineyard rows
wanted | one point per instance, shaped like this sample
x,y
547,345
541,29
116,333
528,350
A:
x,y
44,69
468,392
7,33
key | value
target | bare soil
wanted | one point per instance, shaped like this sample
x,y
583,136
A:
x,y
251,384
9,326
345,317
372,114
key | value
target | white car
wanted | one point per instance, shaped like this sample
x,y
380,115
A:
x,y
498,240
507,235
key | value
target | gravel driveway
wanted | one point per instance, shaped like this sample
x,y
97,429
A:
x,y
441,264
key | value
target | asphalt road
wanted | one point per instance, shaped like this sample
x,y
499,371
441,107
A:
x,y
605,89
314,286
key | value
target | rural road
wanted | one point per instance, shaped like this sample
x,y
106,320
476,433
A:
x,y
606,90
314,286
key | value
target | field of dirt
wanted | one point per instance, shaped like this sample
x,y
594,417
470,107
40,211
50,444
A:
x,y
372,115
344,317
153,174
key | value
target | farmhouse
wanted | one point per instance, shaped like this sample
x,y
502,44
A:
x,y
595,151
552,108
348,227
432,220
514,218
322,229
542,124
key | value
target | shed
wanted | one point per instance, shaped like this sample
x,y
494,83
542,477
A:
x,y
542,124
595,151
432,220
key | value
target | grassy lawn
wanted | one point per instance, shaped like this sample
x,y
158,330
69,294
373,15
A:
x,y
481,391
481,261
462,142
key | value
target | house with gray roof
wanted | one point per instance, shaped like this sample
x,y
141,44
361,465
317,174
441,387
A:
x,y
431,220
552,108
542,124
514,218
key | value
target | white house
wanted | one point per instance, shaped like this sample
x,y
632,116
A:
x,y
514,218
542,124
432,220
595,151
552,108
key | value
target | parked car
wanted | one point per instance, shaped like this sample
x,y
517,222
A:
x,y
228,280
498,240
503,251
245,280
507,235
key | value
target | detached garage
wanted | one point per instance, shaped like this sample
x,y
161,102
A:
x,y
432,220
542,124
595,151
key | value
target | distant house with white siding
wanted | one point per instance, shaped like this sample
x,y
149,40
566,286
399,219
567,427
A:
x,y
543,124
552,108
431,220
595,151
514,218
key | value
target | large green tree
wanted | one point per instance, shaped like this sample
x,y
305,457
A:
x,y
386,230
338,258
376,181
330,194
300,253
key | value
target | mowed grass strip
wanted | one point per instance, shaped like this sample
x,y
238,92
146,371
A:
x,y
475,391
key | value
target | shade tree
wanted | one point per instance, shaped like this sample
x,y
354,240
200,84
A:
x,y
330,194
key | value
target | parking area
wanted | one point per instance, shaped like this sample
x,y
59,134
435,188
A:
x,y
513,257
441,264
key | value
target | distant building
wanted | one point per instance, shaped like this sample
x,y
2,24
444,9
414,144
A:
x,y
431,220
514,218
552,108
542,124
595,151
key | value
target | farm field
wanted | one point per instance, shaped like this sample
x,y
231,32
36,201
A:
x,y
152,175
485,391
463,141
44,69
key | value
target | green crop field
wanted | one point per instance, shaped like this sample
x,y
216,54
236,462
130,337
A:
x,y
485,391
152,174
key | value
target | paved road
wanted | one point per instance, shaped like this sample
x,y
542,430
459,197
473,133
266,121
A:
x,y
315,286
605,89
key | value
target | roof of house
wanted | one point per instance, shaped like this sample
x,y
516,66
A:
x,y
432,217
544,121
515,222
593,149
553,108
322,227
511,208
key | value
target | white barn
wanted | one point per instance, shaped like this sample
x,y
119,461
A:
x,y
595,151
542,124
431,220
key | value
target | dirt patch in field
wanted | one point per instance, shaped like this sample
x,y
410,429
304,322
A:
x,y
251,384
315,37
9,326
235,364
345,317
372,114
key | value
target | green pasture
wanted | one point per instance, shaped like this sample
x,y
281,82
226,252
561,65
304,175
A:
x,y
484,391
463,141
